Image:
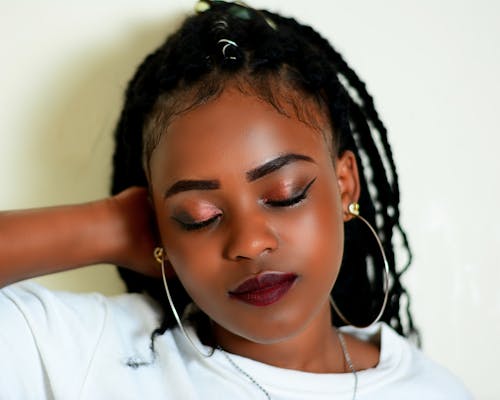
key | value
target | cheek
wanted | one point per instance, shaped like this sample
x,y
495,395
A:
x,y
183,248
186,253
196,261
316,234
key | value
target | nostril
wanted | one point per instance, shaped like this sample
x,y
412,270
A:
x,y
240,249
249,239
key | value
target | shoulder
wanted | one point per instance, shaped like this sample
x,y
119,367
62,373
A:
x,y
41,307
58,332
404,368
76,322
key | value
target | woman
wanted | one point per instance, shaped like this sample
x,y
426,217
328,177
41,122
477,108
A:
x,y
244,146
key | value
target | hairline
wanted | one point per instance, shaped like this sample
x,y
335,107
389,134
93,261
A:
x,y
308,108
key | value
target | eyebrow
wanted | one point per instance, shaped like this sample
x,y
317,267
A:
x,y
252,175
185,185
275,164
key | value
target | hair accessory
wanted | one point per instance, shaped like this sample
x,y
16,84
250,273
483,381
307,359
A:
x,y
227,45
201,6
220,24
353,210
229,48
238,9
159,256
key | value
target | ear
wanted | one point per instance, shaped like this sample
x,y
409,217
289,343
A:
x,y
346,169
169,270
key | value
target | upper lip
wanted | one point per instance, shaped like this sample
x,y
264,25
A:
x,y
262,281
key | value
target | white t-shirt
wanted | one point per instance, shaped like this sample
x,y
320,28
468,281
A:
x,y
64,346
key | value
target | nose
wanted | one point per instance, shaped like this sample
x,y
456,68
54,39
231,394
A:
x,y
250,238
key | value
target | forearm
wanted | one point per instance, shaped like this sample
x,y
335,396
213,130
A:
x,y
42,241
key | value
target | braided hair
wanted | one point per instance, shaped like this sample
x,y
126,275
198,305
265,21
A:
x,y
268,52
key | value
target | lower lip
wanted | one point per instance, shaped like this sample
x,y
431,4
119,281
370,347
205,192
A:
x,y
266,296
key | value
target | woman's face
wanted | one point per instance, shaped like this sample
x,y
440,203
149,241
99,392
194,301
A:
x,y
249,206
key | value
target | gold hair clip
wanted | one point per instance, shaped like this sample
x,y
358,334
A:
x,y
238,9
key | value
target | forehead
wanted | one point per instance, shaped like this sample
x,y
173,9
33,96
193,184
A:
x,y
234,132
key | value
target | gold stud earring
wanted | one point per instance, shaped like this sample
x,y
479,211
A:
x,y
353,209
158,254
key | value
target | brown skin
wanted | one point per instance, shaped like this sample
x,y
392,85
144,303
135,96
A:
x,y
220,140
42,241
223,140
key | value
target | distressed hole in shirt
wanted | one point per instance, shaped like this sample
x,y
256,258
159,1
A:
x,y
137,362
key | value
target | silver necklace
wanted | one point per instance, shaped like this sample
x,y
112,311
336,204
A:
x,y
347,358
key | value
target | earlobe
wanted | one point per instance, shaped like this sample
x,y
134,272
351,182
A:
x,y
346,169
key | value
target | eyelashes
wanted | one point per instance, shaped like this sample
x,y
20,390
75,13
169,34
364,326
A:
x,y
191,226
292,201
288,202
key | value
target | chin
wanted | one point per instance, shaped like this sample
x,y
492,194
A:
x,y
282,326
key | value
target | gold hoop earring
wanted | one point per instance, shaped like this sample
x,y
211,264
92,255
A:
x,y
159,255
353,210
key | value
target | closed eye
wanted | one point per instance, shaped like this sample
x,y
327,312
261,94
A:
x,y
288,202
291,201
191,226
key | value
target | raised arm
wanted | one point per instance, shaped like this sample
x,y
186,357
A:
x,y
113,230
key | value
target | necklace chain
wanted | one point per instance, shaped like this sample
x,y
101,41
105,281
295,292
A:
x,y
345,352
348,360
250,377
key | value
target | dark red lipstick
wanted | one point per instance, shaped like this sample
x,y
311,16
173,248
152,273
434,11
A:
x,y
264,289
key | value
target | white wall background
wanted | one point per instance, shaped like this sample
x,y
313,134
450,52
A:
x,y
433,68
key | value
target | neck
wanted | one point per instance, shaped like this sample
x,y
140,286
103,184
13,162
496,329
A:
x,y
315,349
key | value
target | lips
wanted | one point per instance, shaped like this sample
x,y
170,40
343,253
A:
x,y
264,289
